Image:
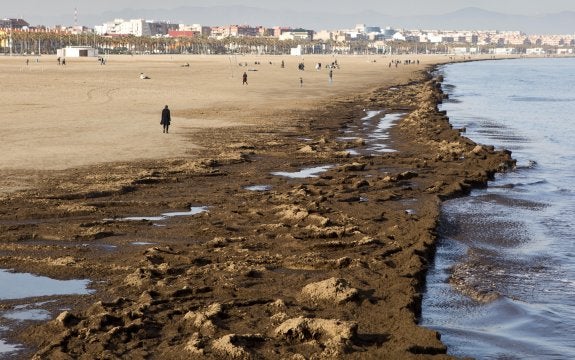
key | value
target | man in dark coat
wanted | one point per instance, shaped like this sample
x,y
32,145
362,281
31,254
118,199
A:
x,y
166,119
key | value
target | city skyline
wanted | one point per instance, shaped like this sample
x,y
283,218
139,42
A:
x,y
38,8
253,12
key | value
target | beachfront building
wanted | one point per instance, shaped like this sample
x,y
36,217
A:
x,y
77,51
279,30
14,24
535,51
297,34
194,30
135,27
296,51
222,32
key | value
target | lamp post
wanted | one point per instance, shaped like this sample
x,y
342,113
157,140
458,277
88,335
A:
x,y
10,39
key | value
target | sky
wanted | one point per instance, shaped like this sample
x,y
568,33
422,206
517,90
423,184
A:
x,y
33,8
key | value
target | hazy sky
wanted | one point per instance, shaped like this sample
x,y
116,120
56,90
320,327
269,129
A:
x,y
31,8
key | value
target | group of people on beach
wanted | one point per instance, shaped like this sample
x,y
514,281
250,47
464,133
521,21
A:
x,y
405,62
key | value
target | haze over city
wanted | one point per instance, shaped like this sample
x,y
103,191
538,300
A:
x,y
34,8
552,16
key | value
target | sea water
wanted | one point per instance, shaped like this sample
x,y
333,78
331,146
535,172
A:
x,y
502,285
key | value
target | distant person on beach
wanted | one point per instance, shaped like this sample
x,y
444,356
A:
x,y
166,119
245,78
330,76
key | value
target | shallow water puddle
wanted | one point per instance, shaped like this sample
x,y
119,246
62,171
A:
x,y
304,173
106,247
380,134
21,285
142,243
28,315
6,348
348,138
370,114
194,210
14,286
374,129
258,188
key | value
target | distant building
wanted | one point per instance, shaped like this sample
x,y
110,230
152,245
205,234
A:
x,y
182,33
389,32
398,37
184,30
296,51
77,51
278,31
222,32
504,51
297,34
135,27
14,24
535,51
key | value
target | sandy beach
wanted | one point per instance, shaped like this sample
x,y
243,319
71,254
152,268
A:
x,y
107,113
330,266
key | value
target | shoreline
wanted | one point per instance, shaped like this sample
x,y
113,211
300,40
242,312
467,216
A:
x,y
304,268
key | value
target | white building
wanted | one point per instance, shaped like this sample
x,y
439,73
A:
x,y
136,27
398,36
298,34
77,51
535,51
503,51
296,51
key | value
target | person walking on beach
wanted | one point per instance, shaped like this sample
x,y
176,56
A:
x,y
245,78
166,119
330,76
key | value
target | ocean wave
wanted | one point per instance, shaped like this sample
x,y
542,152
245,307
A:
x,y
540,99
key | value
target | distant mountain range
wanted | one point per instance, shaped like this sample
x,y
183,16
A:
x,y
465,19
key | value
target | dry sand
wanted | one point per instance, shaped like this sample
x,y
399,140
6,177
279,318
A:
x,y
57,117
304,270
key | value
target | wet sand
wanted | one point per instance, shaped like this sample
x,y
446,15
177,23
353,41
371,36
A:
x,y
321,267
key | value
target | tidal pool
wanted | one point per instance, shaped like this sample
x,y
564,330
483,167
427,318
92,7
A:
x,y
304,173
194,210
21,285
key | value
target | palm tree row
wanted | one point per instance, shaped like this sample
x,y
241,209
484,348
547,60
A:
x,y
24,42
